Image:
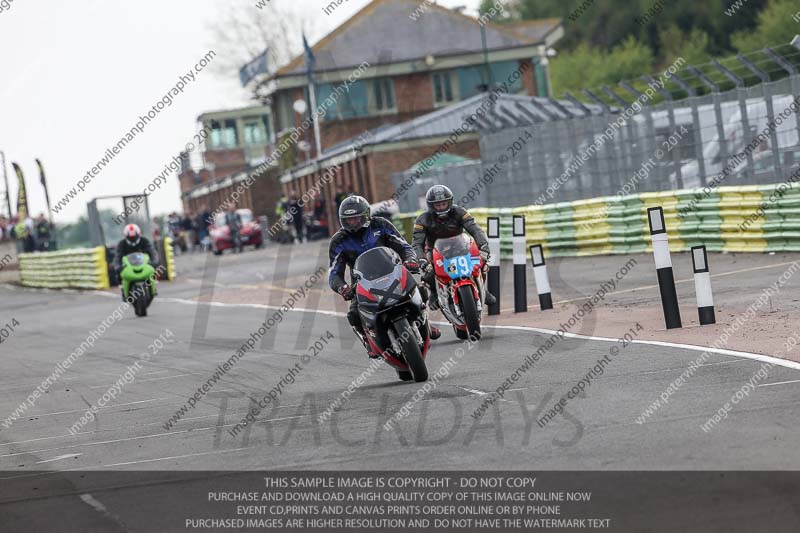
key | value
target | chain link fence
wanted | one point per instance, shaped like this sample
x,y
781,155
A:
x,y
747,135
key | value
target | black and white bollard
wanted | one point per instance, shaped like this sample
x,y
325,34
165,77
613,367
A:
x,y
540,277
520,265
493,281
702,286
666,279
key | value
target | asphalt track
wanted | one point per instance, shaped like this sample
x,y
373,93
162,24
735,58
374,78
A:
x,y
597,432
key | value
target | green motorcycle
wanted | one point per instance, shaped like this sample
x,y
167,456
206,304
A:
x,y
138,282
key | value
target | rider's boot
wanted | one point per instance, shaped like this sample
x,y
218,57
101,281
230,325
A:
x,y
362,336
433,300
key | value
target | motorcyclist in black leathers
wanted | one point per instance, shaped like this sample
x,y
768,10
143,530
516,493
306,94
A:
x,y
361,232
443,220
133,242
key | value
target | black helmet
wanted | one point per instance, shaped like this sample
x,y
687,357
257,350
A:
x,y
354,213
437,194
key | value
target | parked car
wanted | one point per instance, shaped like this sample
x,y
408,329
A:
x,y
249,234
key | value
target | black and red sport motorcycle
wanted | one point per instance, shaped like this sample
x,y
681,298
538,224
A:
x,y
394,317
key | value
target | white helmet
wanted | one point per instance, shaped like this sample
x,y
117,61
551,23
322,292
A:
x,y
133,234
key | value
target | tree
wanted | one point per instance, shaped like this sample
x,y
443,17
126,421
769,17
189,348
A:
x,y
775,26
608,23
243,31
73,235
693,47
587,67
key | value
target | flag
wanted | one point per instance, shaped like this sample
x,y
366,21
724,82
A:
x,y
255,67
44,184
22,196
309,57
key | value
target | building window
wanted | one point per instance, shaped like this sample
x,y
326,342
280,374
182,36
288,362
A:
x,y
254,130
343,102
445,88
223,134
381,95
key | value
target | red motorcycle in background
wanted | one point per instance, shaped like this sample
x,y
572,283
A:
x,y
460,284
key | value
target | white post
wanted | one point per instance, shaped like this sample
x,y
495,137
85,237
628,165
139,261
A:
x,y
702,286
493,278
540,277
520,280
666,279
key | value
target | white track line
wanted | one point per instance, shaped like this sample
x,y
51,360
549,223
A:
x,y
67,456
779,383
480,393
83,468
100,508
103,407
721,351
146,380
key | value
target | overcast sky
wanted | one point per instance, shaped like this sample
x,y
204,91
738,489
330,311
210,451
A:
x,y
77,74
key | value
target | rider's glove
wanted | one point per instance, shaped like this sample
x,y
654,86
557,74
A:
x,y
412,266
347,291
485,257
424,266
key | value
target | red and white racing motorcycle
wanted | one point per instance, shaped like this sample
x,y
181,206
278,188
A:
x,y
460,284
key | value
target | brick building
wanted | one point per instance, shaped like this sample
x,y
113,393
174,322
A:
x,y
420,68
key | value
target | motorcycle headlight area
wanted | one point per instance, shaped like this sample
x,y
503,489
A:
x,y
416,297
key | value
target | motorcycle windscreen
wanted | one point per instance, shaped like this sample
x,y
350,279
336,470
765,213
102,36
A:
x,y
136,259
376,263
453,246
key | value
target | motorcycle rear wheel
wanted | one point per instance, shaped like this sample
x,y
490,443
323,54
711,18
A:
x,y
411,351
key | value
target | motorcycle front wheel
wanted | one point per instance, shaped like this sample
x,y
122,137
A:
x,y
140,304
411,351
470,309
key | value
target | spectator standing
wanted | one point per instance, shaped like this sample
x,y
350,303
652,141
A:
x,y
340,196
203,222
296,212
42,233
189,228
319,207
23,232
234,223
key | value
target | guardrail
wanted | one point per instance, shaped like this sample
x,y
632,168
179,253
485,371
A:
x,y
618,225
83,268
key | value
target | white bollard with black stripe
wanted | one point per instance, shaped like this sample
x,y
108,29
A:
x,y
493,278
666,279
540,277
520,265
702,286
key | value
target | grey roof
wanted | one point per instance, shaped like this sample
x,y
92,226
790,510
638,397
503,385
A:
x,y
508,111
384,32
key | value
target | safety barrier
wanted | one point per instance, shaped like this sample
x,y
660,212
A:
x,y
724,219
82,268
169,258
